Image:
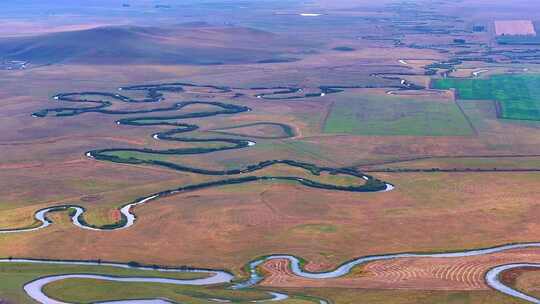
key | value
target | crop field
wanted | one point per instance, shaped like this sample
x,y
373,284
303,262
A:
x,y
393,115
514,27
406,273
519,40
517,95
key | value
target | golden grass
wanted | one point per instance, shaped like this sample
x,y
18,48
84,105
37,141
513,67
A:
x,y
218,227
527,280
353,296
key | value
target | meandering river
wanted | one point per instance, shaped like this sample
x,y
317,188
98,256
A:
x,y
154,94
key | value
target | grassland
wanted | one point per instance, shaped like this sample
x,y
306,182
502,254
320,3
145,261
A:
x,y
14,276
42,163
393,115
526,280
517,95
352,296
464,163
92,291
309,223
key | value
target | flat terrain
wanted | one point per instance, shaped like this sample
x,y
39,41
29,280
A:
x,y
350,296
395,115
418,95
514,27
308,223
90,291
493,164
408,273
524,280
14,276
517,95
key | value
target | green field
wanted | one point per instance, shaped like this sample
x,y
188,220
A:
x,y
517,95
14,276
394,115
92,291
519,39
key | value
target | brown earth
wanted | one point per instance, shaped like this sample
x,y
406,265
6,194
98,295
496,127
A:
x,y
406,273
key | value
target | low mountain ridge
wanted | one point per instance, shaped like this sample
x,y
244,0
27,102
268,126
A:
x,y
153,45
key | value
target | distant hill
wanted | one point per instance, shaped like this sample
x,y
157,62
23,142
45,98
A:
x,y
186,44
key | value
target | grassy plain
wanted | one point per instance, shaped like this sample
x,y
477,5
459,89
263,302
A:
x,y
526,280
278,224
13,276
354,296
355,223
218,227
92,291
42,162
463,163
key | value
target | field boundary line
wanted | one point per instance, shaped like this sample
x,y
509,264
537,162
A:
x,y
471,125
329,108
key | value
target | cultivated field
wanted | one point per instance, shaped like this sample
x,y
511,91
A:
x,y
408,273
514,27
517,96
373,114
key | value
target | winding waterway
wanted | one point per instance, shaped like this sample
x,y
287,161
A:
x,y
344,269
35,288
128,218
154,93
493,281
